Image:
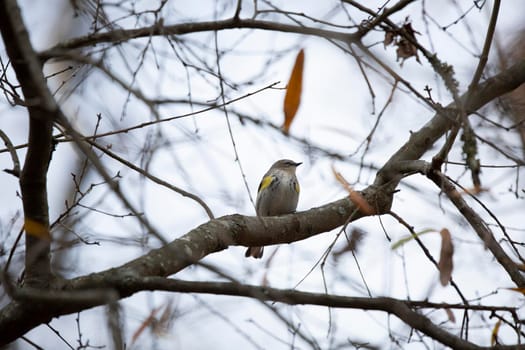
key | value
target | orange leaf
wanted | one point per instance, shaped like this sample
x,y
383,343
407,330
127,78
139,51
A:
x,y
450,315
477,189
292,99
494,335
445,257
355,197
36,229
518,289
389,37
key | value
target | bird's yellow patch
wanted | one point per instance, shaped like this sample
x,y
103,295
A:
x,y
297,188
266,181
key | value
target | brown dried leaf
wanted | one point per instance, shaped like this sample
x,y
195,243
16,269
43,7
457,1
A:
x,y
477,189
405,47
450,315
407,27
445,257
292,99
389,38
355,197
342,180
361,203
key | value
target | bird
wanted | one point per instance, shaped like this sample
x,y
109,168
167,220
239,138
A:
x,y
278,194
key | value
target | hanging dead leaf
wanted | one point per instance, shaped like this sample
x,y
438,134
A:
x,y
361,203
37,229
477,189
450,315
410,32
405,49
389,38
405,40
292,99
409,47
494,334
340,178
445,257
355,197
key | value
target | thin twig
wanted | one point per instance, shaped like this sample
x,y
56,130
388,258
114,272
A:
x,y
154,178
14,157
486,46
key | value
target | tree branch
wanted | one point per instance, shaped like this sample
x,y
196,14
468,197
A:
x,y
42,110
218,234
422,140
158,29
479,226
213,236
404,310
22,315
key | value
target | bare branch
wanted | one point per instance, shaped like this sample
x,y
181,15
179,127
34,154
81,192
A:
x,y
158,29
479,226
14,157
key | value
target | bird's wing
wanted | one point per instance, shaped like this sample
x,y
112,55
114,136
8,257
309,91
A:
x,y
265,182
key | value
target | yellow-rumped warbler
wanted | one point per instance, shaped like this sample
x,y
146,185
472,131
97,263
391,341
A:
x,y
278,194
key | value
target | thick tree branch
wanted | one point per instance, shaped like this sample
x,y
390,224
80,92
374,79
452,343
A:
x,y
23,314
407,311
218,234
473,218
400,308
213,236
42,109
422,140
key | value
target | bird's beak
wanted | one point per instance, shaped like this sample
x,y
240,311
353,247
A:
x,y
297,164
